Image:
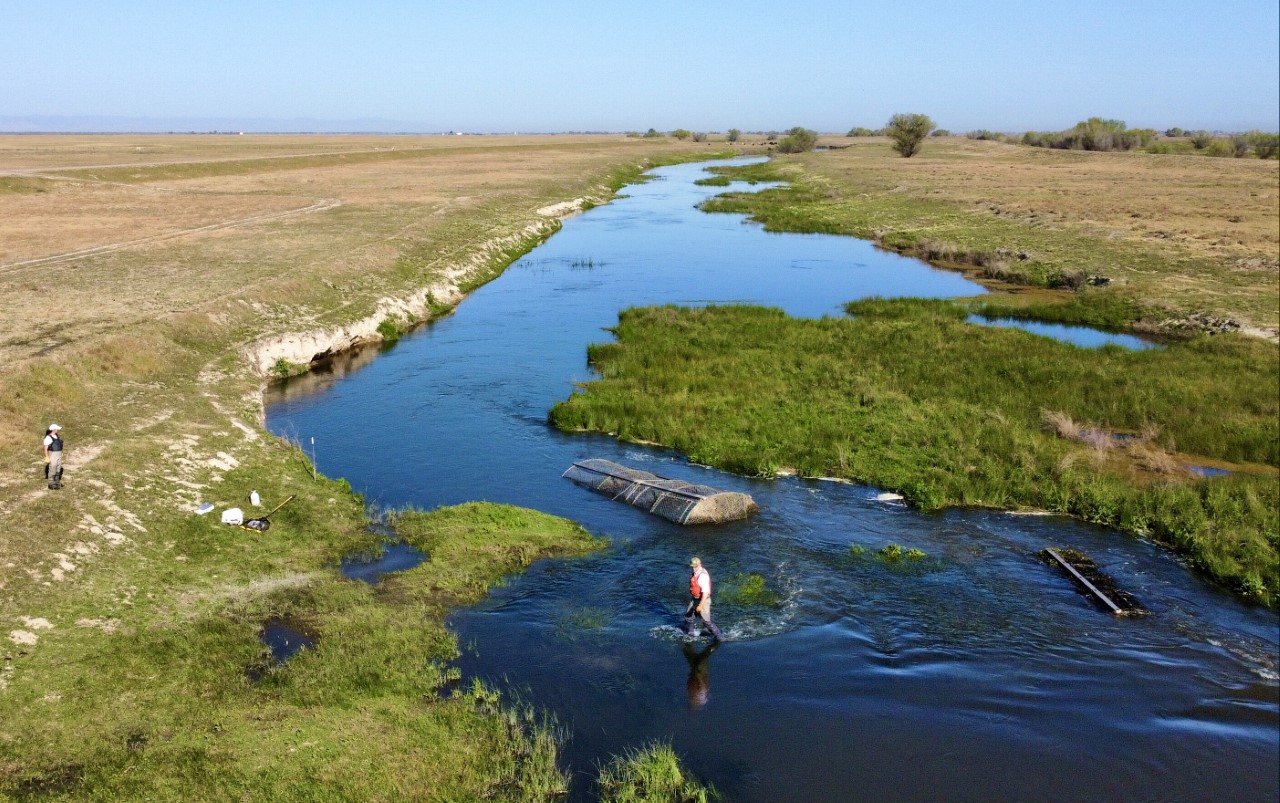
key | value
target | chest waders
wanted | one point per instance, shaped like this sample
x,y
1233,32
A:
x,y
53,469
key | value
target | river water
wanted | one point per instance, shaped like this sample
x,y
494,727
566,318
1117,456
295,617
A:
x,y
974,673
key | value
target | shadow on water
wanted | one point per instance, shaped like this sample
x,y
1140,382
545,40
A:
x,y
974,673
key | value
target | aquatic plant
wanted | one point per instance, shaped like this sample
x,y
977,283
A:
x,y
746,589
648,774
890,553
576,623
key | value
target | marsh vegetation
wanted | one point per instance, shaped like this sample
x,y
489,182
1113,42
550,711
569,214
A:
x,y
907,396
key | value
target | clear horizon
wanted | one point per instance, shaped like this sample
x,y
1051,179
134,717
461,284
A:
x,y
561,66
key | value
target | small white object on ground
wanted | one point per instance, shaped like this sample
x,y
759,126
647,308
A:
x,y
233,515
205,508
254,499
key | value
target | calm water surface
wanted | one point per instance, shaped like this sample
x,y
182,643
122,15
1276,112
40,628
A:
x,y
1082,336
977,673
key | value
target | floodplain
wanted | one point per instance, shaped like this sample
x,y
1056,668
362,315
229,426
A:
x,y
143,276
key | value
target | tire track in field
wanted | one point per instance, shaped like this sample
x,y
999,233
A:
x,y
320,205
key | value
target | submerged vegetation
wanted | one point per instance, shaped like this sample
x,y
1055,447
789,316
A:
x,y
746,589
907,396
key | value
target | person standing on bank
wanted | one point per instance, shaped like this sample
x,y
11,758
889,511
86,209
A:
x,y
53,456
700,604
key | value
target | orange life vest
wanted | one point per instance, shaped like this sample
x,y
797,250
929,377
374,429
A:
x,y
695,590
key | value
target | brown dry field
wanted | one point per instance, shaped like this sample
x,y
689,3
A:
x,y
1222,208
1204,232
135,269
142,242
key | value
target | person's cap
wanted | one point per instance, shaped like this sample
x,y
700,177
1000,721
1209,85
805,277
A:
x,y
54,426
695,562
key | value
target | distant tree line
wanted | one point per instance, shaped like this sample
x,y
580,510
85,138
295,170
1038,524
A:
x,y
1094,134
1097,134
907,132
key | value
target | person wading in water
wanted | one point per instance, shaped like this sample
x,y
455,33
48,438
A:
x,y
700,604
53,456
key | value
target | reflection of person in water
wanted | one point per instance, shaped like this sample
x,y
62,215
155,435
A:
x,y
699,683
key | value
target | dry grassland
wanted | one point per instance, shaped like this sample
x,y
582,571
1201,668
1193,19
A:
x,y
134,270
1191,233
114,253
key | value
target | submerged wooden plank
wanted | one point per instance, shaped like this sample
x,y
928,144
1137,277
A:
x,y
1127,606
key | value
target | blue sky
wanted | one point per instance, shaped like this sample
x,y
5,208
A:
x,y
563,65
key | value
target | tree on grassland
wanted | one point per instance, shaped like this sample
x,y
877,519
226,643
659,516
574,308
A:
x,y
1264,144
734,135
907,132
798,140
1201,139
681,133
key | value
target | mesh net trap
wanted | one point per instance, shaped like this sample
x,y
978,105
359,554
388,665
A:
x,y
674,500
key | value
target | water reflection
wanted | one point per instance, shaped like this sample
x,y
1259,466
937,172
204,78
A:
x,y
698,684
324,372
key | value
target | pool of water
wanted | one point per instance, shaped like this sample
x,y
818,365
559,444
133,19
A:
x,y
1082,336
975,673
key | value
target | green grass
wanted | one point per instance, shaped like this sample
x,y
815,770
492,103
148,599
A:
x,y
24,185
651,774
952,236
1099,309
375,684
746,589
1040,245
908,397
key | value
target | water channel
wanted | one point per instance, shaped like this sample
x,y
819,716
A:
x,y
975,673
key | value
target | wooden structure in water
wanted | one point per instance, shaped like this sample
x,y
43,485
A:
x,y
674,500
1081,568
